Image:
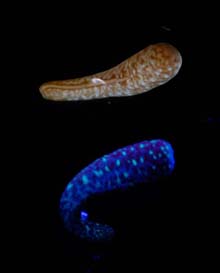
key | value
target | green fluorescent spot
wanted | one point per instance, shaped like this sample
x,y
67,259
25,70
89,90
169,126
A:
x,y
107,169
141,145
98,173
118,162
151,152
142,160
134,162
69,186
166,148
85,179
125,174
124,153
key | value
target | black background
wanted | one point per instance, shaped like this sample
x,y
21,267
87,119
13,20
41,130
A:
x,y
167,224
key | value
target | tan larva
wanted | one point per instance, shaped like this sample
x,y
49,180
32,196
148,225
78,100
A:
x,y
147,69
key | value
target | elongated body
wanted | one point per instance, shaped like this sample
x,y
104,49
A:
x,y
139,163
149,68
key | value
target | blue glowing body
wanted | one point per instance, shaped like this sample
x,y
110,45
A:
x,y
139,163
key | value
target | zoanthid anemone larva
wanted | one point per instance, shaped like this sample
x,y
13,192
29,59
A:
x,y
142,162
151,67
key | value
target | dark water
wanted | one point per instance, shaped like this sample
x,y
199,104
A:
x,y
156,224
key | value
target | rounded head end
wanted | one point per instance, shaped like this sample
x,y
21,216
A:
x,y
165,57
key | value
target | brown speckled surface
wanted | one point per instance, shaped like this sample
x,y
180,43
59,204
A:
x,y
149,68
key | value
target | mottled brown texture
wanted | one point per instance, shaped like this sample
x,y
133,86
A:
x,y
149,68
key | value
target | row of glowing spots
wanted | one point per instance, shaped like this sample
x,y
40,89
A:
x,y
101,172
141,162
